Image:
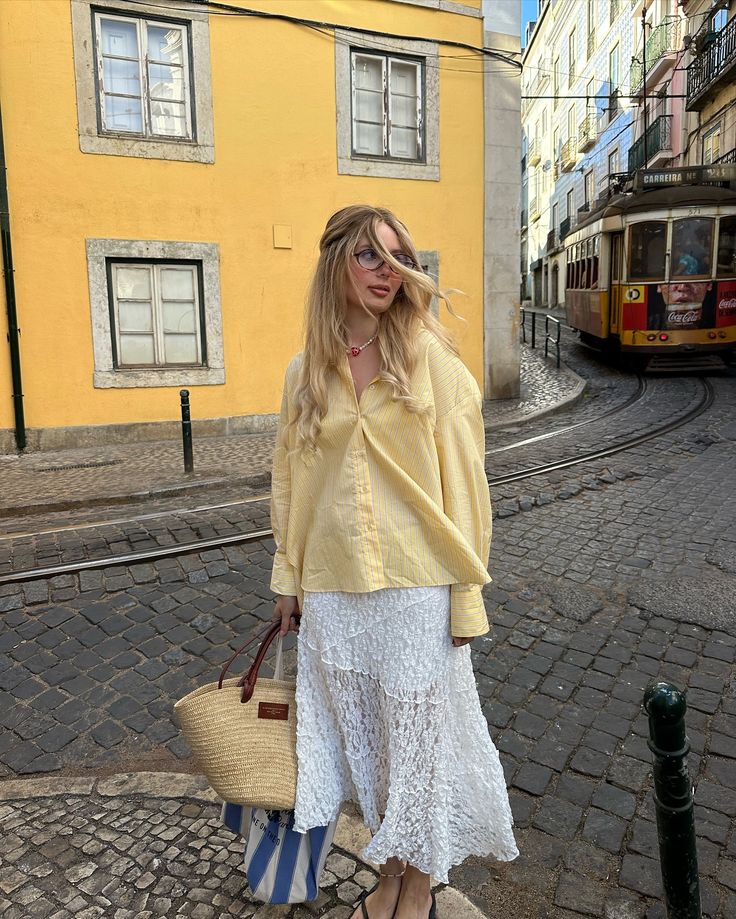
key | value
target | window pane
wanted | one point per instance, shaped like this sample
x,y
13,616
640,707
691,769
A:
x,y
404,111
180,349
692,245
403,78
166,82
727,248
179,317
369,106
123,114
119,38
177,284
135,316
648,242
166,45
169,118
369,139
133,283
368,73
136,349
121,77
404,143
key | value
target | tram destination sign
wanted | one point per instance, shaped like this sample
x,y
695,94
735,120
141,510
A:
x,y
685,175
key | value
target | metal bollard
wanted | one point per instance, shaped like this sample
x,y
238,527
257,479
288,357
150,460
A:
x,y
186,431
673,800
534,330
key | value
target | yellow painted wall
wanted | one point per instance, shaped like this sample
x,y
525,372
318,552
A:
x,y
273,89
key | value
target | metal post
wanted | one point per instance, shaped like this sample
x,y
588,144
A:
x,y
673,800
644,84
186,431
523,325
534,329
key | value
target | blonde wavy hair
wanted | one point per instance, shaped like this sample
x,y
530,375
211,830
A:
x,y
326,335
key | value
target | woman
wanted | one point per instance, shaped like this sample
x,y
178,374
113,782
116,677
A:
x,y
382,522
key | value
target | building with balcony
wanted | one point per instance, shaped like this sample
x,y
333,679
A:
x,y
657,81
577,122
711,82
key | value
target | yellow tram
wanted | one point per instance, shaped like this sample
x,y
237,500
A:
x,y
654,272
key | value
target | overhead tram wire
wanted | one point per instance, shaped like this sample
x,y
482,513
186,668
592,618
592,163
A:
x,y
226,9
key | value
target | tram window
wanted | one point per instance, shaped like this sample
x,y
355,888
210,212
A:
x,y
594,271
648,244
692,246
727,248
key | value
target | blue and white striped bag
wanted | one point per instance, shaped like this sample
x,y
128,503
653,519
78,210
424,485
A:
x,y
281,866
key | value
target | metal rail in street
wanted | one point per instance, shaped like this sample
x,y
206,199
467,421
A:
x,y
218,542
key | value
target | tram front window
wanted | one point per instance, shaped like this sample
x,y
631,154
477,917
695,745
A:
x,y
648,246
727,248
692,247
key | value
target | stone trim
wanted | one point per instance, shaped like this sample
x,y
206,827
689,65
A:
x,y
446,6
106,376
431,258
347,163
202,149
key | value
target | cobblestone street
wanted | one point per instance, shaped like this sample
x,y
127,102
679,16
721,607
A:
x,y
607,575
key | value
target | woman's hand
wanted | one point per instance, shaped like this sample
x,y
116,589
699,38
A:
x,y
286,610
459,642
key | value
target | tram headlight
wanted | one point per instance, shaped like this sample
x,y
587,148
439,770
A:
x,y
651,337
721,334
664,337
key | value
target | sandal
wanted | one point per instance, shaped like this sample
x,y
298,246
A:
x,y
366,893
433,908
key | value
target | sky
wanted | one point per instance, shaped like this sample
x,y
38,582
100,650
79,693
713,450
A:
x,y
528,11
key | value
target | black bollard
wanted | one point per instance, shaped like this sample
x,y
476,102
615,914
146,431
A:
x,y
534,329
673,800
186,431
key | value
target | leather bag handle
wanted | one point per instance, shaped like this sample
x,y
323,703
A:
x,y
259,634
248,681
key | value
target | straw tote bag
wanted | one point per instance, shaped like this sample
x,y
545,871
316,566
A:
x,y
242,732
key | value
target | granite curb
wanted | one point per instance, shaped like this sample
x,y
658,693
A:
x,y
560,405
351,835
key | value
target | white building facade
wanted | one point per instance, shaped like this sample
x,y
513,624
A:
x,y
577,127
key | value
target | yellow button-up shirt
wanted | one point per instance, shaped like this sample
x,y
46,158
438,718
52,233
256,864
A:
x,y
392,498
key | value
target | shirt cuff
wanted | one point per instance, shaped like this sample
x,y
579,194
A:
x,y
283,578
467,611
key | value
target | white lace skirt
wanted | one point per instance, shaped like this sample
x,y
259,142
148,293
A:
x,y
388,716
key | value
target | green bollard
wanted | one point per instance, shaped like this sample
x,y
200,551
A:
x,y
673,800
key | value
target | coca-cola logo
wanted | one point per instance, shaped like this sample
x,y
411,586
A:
x,y
683,318
727,306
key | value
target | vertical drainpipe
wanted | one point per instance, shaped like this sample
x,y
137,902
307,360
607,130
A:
x,y
8,273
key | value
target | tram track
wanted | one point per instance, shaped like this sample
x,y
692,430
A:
x,y
636,396
240,538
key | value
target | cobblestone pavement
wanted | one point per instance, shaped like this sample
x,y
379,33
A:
x,y
147,845
42,482
606,576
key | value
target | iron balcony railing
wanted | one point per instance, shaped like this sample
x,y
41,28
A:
x,y
569,152
711,66
551,240
566,225
729,157
662,40
587,132
658,138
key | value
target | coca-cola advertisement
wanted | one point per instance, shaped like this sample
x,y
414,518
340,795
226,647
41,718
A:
x,y
687,305
726,303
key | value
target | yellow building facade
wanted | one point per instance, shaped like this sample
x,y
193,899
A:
x,y
170,169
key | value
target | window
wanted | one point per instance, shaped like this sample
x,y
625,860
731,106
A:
x,y
571,122
613,82
544,123
692,247
589,188
571,58
143,82
570,202
143,76
387,107
555,217
590,26
156,317
555,143
590,95
712,145
727,248
613,162
555,82
155,309
648,248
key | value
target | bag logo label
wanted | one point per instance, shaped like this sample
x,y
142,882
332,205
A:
x,y
276,711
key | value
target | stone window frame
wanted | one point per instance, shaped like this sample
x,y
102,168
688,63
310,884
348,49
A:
x,y
106,375
199,150
353,164
430,259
